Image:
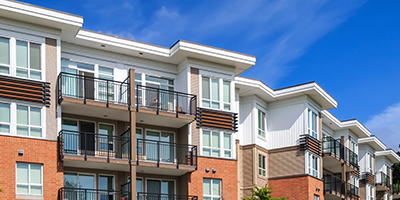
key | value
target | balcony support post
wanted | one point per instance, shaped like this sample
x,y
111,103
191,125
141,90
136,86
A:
x,y
107,94
177,105
177,156
85,144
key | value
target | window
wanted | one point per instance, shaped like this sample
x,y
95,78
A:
x,y
104,88
4,55
369,164
261,123
28,60
29,121
261,165
214,146
20,119
353,146
211,88
316,197
312,124
370,192
29,178
312,164
211,189
106,139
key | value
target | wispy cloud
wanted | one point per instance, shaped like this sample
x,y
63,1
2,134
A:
x,y
386,126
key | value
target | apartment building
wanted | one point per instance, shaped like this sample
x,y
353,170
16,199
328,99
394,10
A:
x,y
86,115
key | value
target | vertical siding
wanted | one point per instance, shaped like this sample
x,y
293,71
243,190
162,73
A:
x,y
362,158
285,125
181,81
246,123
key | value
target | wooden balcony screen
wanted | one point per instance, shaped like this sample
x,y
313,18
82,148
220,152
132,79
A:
x,y
216,119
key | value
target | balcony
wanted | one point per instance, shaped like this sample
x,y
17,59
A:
x,y
336,188
396,191
382,181
91,194
164,107
155,196
335,153
109,151
368,178
158,157
86,95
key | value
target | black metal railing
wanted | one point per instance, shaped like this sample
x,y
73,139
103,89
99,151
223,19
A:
x,y
157,196
93,144
126,187
334,184
166,152
165,100
396,188
91,194
352,190
382,178
91,88
334,147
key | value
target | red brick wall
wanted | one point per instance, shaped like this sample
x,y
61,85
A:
x,y
300,188
35,151
226,171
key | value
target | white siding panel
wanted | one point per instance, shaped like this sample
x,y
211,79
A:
x,y
285,125
246,123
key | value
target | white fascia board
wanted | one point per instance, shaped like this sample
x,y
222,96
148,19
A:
x,y
122,43
40,12
239,80
375,142
390,154
358,128
182,45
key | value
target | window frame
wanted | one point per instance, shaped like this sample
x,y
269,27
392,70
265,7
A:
x,y
310,128
258,124
369,162
369,190
220,101
9,66
310,156
28,68
262,170
29,184
212,196
221,148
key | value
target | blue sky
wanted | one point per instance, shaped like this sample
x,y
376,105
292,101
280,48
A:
x,y
350,48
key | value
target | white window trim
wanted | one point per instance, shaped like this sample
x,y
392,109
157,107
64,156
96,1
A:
x,y
369,165
221,95
258,108
29,179
13,117
308,122
83,173
367,188
221,143
114,180
307,167
265,166
212,196
98,131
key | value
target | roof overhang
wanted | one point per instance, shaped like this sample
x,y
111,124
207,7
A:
x,y
69,24
353,125
248,86
389,154
374,142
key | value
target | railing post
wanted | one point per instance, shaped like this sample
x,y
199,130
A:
x,y
85,194
177,156
158,101
84,91
107,93
137,151
85,135
108,149
158,153
137,98
177,105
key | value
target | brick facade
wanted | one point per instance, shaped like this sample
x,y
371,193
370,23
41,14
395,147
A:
x,y
225,170
35,151
301,188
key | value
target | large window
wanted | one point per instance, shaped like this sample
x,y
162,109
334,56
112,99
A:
x,y
21,119
217,144
370,192
211,95
261,123
369,163
4,55
29,178
261,165
312,164
211,189
312,124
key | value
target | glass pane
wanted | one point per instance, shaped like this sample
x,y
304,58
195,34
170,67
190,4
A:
x,y
106,182
215,89
206,186
22,115
106,71
215,139
35,56
22,173
227,141
227,91
36,174
36,189
159,80
22,189
4,70
70,180
22,73
206,138
138,76
5,112
205,88
22,130
206,104
36,75
227,154
84,66
227,107
35,116
69,124
215,105
215,153
22,54
36,132
206,152
86,181
4,51
4,128
216,187
105,129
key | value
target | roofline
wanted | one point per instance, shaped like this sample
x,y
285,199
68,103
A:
x,y
374,139
41,7
346,123
387,153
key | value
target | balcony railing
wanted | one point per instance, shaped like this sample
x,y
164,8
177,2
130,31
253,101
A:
x,y
334,147
382,178
166,152
339,187
352,190
91,194
156,196
91,88
396,188
92,144
165,100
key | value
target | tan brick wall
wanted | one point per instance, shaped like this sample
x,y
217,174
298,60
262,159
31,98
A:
x,y
297,188
362,189
286,162
226,171
194,89
35,151
51,77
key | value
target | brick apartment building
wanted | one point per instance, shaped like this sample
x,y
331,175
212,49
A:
x,y
86,115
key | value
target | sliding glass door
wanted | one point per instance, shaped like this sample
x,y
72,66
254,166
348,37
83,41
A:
x,y
160,151
81,181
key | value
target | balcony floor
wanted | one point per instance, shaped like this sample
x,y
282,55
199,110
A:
x,y
96,162
164,168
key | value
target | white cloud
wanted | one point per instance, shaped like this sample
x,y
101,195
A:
x,y
386,126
